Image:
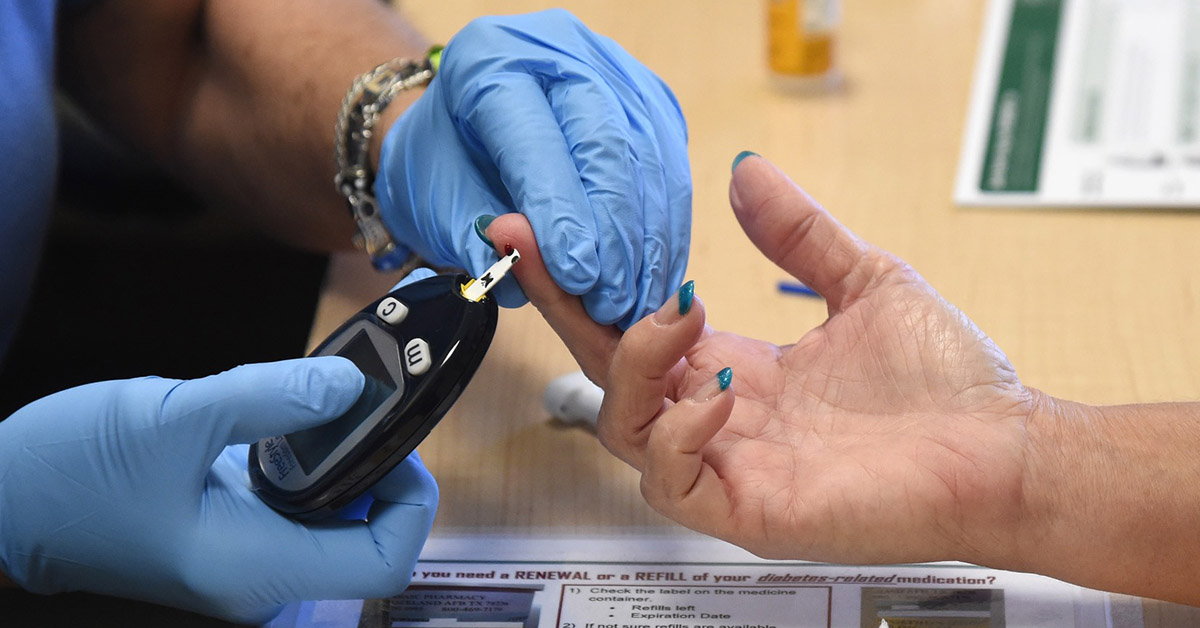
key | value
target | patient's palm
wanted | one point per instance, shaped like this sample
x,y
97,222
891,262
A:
x,y
895,419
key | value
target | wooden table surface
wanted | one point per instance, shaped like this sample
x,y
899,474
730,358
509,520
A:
x,y
1098,306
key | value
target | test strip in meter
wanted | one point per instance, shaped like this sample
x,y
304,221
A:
x,y
475,289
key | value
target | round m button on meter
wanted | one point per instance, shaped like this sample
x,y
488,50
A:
x,y
416,357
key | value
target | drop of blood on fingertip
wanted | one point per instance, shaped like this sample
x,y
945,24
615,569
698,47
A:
x,y
508,249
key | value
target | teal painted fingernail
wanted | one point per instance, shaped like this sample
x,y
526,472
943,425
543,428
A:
x,y
481,225
713,387
686,292
740,156
725,378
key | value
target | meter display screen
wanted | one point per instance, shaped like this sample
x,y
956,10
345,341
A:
x,y
313,445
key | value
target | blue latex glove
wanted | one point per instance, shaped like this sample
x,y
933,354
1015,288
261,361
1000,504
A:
x,y
537,114
131,488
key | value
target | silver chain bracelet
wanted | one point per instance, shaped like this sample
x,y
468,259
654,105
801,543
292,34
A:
x,y
366,99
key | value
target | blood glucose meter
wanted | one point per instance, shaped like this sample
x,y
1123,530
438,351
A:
x,y
417,348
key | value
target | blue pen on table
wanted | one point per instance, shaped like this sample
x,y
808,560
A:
x,y
795,287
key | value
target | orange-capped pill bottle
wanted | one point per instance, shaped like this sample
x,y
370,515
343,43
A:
x,y
801,41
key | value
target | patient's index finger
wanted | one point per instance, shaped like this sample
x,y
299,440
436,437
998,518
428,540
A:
x,y
591,343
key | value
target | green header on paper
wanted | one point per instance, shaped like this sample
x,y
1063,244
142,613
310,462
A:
x,y
1021,109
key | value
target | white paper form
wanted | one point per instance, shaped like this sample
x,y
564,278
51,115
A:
x,y
1085,103
654,582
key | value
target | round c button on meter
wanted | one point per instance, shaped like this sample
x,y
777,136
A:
x,y
392,311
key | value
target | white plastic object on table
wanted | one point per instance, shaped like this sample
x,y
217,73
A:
x,y
574,399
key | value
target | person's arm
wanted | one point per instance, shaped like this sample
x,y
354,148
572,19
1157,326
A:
x,y
237,98
529,113
894,432
1112,497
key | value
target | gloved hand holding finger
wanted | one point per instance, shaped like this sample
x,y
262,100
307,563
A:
x,y
537,114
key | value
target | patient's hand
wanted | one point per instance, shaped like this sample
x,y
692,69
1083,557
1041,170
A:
x,y
893,432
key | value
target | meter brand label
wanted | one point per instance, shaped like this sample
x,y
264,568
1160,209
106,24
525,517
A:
x,y
280,456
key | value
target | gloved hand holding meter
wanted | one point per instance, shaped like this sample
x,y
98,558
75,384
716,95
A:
x,y
168,455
